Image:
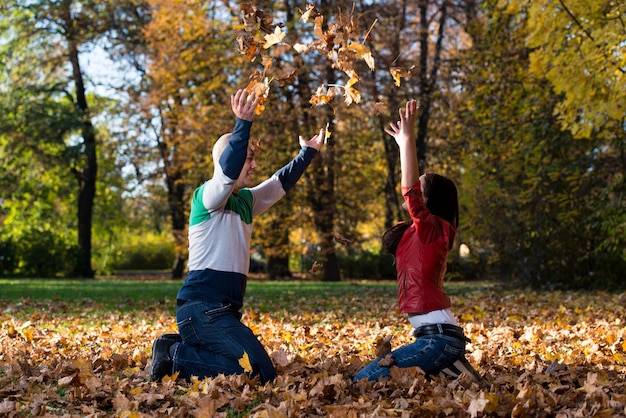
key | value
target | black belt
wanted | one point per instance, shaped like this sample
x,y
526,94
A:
x,y
445,329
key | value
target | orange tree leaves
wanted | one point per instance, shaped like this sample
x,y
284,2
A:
x,y
339,43
545,354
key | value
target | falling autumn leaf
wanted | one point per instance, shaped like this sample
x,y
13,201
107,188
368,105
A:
x,y
351,94
261,90
316,267
310,13
273,38
378,108
362,52
341,239
339,43
323,95
398,73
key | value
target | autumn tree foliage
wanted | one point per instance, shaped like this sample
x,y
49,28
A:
x,y
315,56
45,87
185,63
532,194
396,37
415,46
579,47
538,157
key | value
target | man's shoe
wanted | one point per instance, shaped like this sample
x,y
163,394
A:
x,y
461,366
162,362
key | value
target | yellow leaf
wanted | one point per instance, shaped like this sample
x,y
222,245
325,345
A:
x,y
323,96
261,89
28,334
363,52
244,362
171,378
467,317
397,73
351,94
493,402
131,371
129,414
286,336
274,38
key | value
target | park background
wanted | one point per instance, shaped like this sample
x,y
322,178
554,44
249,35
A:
x,y
109,110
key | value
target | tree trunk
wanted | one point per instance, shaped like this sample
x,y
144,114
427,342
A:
x,y
323,203
180,246
178,215
427,82
278,268
176,198
390,54
87,169
278,251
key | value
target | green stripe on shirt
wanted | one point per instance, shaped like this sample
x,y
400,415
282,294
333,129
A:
x,y
241,204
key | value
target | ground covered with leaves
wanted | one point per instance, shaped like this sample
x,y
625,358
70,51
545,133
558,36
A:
x,y
539,354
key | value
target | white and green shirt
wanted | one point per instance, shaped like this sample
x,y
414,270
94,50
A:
x,y
220,222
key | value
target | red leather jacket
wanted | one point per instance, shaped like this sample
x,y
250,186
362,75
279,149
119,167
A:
x,y
421,257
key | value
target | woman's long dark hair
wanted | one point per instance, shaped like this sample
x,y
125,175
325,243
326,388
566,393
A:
x,y
441,199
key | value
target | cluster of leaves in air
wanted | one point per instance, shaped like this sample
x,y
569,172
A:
x,y
263,39
539,354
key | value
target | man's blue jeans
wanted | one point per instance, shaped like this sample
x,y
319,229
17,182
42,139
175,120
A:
x,y
431,353
214,342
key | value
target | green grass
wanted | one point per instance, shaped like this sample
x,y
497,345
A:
x,y
100,291
127,295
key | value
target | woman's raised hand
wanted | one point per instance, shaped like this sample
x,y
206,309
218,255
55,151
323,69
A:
x,y
404,129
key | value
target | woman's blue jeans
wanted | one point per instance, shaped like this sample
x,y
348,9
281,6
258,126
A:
x,y
214,342
431,353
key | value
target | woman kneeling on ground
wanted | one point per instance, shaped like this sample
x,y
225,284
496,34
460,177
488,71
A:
x,y
420,247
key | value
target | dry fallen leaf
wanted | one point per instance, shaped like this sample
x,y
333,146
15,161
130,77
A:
x,y
386,361
244,362
477,406
540,354
383,345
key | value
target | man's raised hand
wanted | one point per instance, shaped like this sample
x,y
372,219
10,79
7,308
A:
x,y
316,142
244,104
